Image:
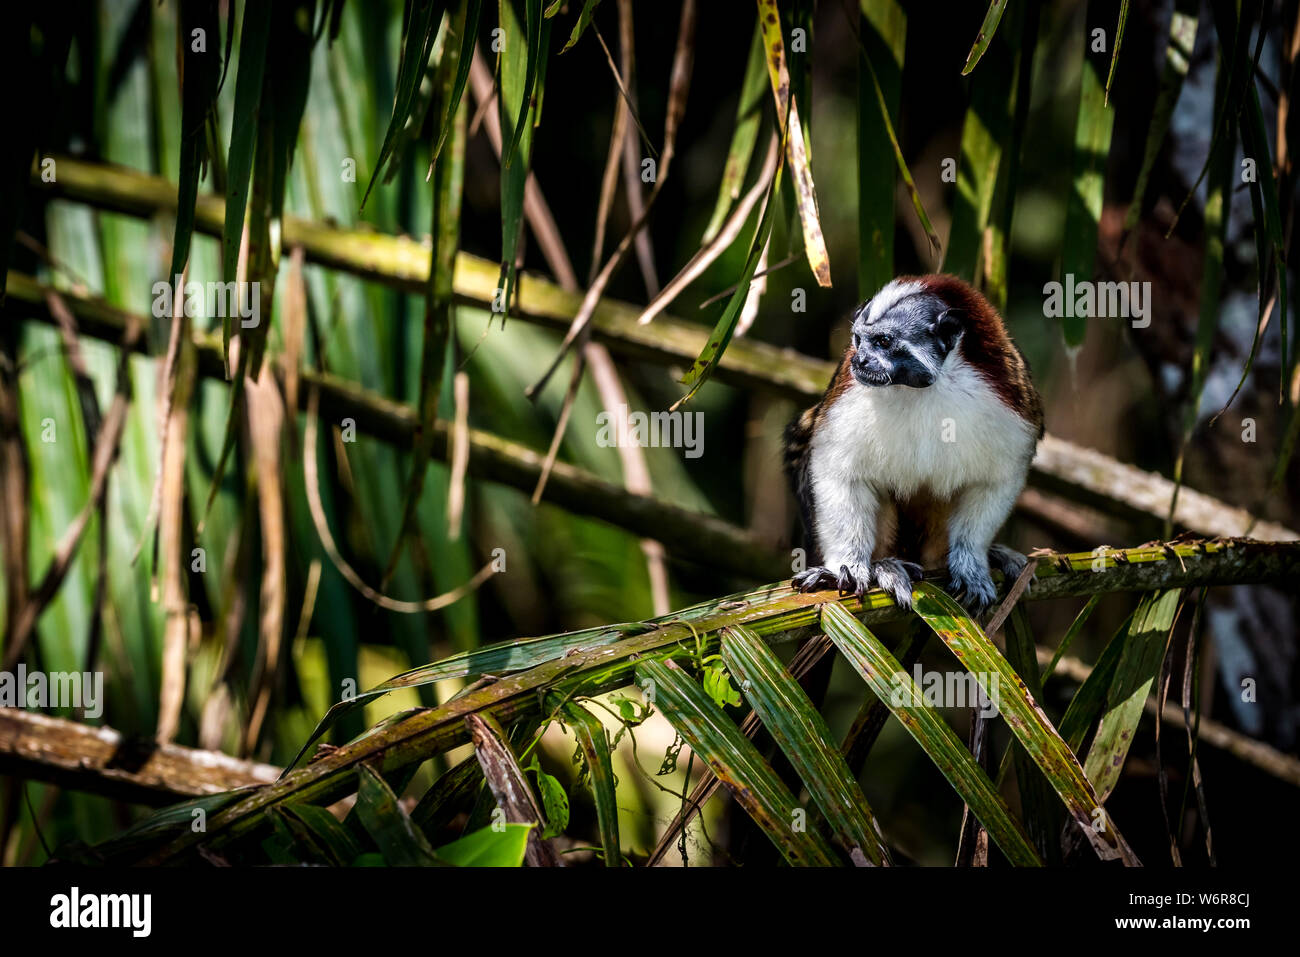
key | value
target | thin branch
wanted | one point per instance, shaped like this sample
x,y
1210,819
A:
x,y
91,417
622,91
760,273
459,456
319,519
180,330
266,416
608,186
631,155
103,761
710,251
1018,588
15,503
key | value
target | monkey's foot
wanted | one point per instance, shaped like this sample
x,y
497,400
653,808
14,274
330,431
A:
x,y
815,579
895,576
1009,562
891,574
969,582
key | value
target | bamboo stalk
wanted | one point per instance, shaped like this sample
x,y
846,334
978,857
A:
x,y
402,262
774,612
688,534
1091,478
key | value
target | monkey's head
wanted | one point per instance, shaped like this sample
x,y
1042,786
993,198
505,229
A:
x,y
903,335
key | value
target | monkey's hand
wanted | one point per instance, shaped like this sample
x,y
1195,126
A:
x,y
1009,562
891,574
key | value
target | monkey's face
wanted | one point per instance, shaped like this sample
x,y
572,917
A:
x,y
903,340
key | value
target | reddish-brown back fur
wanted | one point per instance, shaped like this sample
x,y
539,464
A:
x,y
987,346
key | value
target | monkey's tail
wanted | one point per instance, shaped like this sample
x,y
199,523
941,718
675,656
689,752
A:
x,y
798,442
795,452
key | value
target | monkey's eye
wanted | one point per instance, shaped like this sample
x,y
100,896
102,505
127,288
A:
x,y
857,340
882,342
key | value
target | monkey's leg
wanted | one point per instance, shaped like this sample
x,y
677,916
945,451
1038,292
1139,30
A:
x,y
846,511
976,516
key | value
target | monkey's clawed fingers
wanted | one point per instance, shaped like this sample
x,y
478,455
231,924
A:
x,y
892,575
815,579
895,576
848,580
850,584
1009,562
975,592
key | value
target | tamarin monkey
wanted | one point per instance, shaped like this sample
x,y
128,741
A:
x,y
919,447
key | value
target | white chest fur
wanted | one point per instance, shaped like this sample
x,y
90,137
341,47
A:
x,y
952,435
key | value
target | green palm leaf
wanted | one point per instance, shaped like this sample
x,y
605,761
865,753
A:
x,y
987,29
1135,673
400,841
733,758
1024,717
595,747
900,693
804,737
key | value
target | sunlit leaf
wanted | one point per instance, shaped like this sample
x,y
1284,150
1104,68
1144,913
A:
x,y
788,118
488,847
1144,649
1023,714
987,29
806,740
899,692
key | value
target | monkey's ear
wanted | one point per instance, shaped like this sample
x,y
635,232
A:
x,y
948,328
